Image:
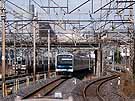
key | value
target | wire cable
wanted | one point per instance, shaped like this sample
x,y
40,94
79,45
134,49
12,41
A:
x,y
18,7
40,6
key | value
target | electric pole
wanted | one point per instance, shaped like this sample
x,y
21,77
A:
x,y
49,52
3,19
15,31
34,50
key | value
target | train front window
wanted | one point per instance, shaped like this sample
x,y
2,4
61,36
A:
x,y
64,60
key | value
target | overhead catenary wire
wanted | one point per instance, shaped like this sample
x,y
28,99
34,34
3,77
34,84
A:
x,y
19,28
13,12
40,6
105,20
108,22
93,20
101,26
18,7
107,15
58,6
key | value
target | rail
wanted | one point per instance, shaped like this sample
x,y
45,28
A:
x,y
45,89
117,74
99,86
100,81
13,82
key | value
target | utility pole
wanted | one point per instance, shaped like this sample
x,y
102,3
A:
x,y
99,62
95,67
113,60
67,6
131,17
89,60
49,6
99,58
31,7
3,18
34,49
43,60
49,52
92,6
15,31
132,48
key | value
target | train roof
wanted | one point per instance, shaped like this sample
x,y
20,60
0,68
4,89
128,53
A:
x,y
65,53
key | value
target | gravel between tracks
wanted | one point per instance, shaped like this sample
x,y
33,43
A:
x,y
27,89
66,88
69,88
109,91
77,91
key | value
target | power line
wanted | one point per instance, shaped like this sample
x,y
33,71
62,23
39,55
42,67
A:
x,y
58,5
13,11
39,6
18,7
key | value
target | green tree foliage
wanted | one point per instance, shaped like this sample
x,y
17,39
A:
x,y
117,57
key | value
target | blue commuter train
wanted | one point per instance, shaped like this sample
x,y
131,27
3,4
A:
x,y
66,62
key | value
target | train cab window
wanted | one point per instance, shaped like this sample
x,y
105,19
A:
x,y
64,59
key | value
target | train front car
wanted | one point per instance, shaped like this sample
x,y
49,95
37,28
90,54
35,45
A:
x,y
64,63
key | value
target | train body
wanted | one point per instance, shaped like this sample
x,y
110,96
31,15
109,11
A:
x,y
70,63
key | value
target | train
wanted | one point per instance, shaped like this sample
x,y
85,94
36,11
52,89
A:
x,y
24,64
67,62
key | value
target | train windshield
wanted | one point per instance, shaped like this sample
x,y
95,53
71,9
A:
x,y
64,60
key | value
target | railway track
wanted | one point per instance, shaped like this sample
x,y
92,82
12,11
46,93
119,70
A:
x,y
15,80
46,89
92,89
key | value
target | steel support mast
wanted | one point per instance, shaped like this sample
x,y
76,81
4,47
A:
x,y
34,50
3,18
49,52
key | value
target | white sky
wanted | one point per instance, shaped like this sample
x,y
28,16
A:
x,y
72,4
81,14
